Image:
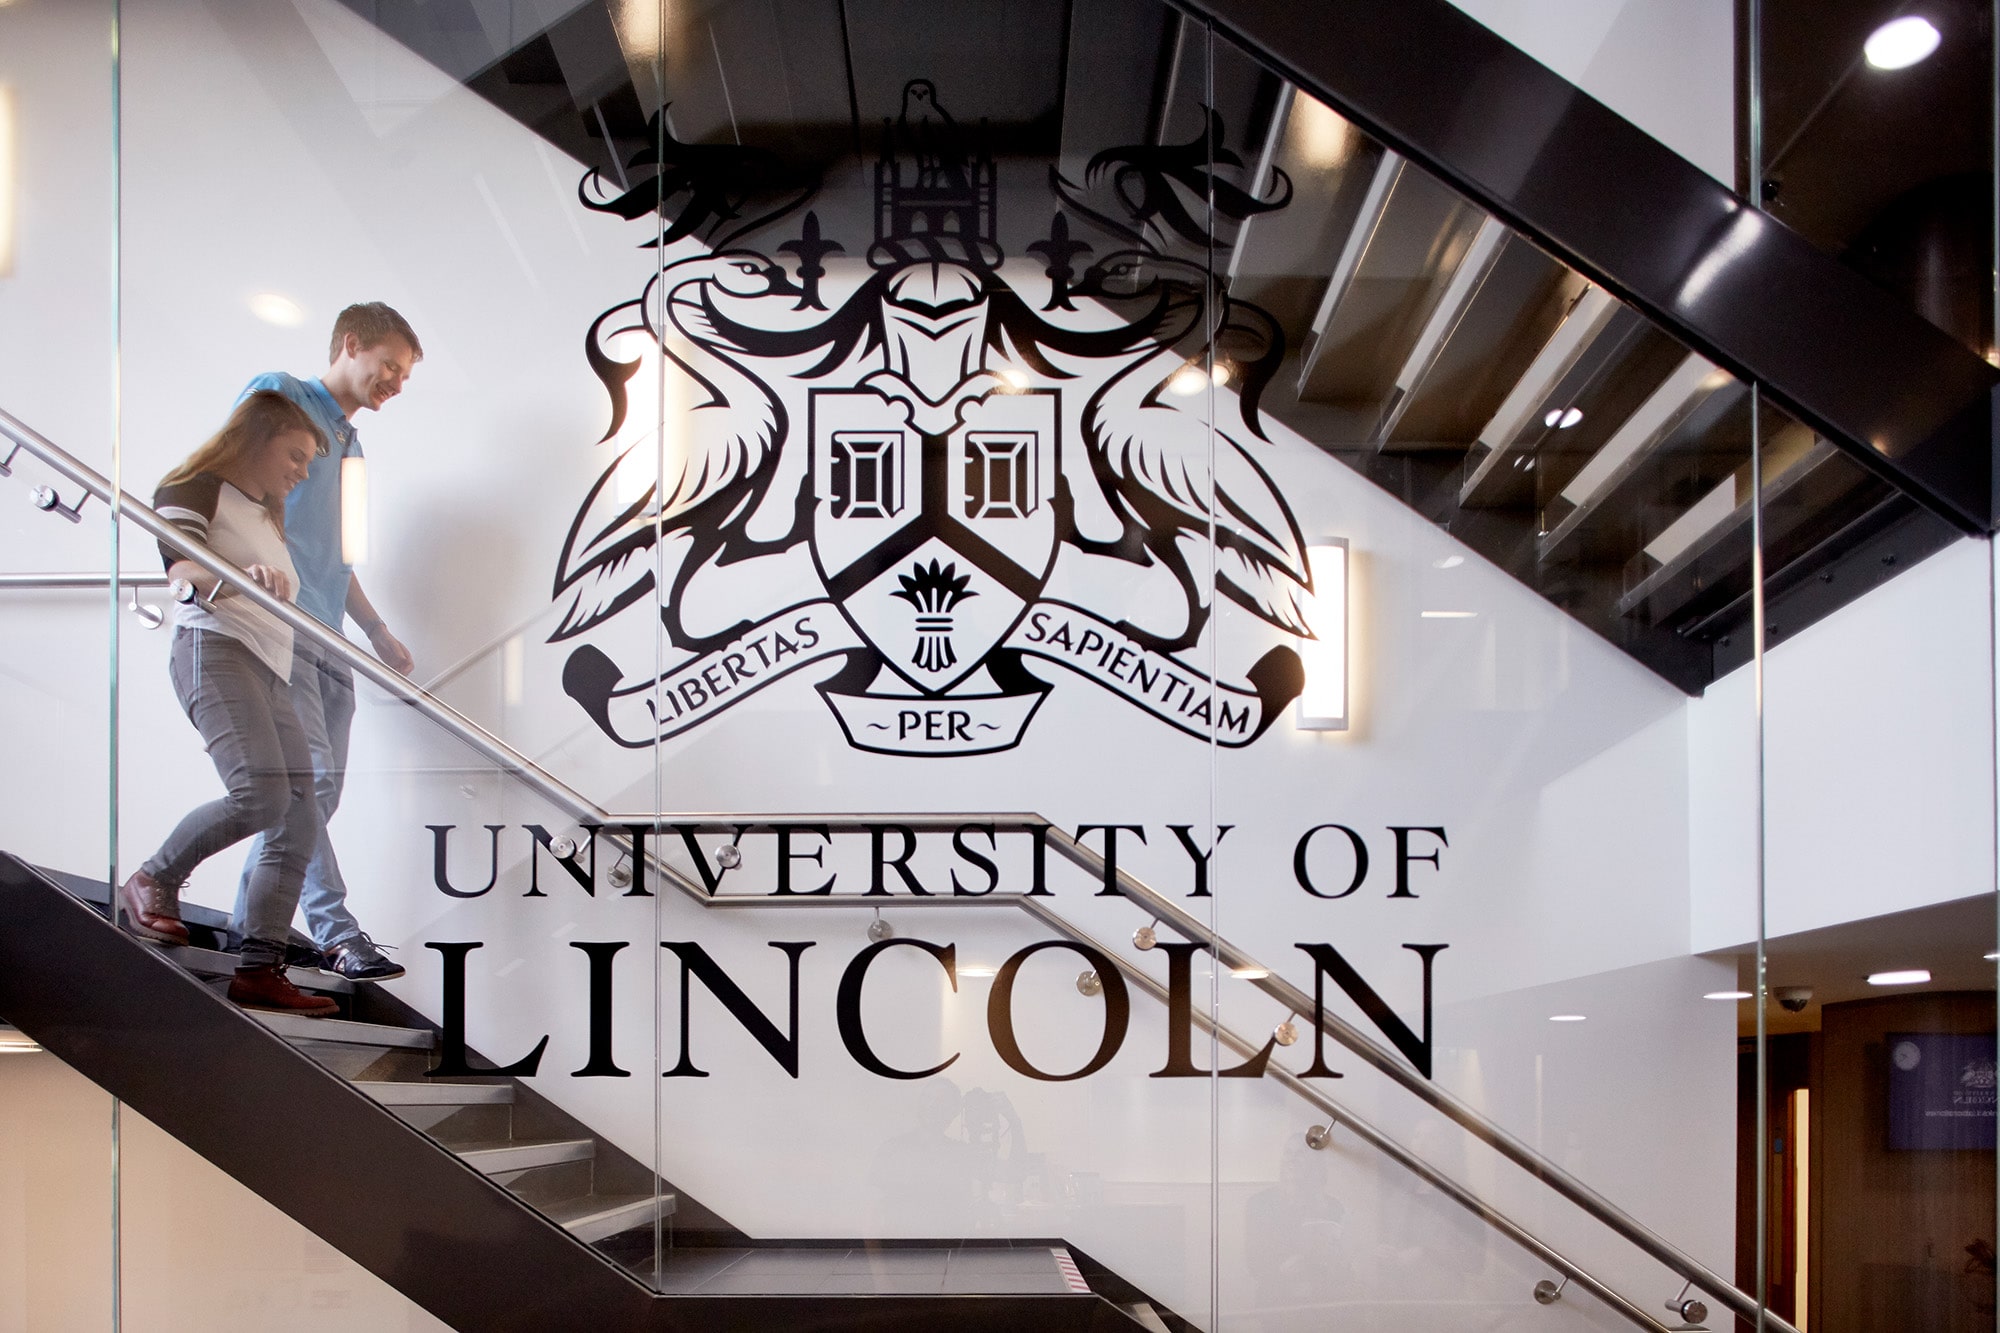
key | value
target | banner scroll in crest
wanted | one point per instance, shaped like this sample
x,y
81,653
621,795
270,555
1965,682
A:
x,y
975,722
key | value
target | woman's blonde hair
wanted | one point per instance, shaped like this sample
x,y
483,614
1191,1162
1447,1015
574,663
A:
x,y
260,418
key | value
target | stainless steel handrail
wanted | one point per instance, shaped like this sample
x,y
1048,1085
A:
x,y
126,579
1297,1001
556,792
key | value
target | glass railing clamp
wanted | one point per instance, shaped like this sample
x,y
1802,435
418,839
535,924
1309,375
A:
x,y
1691,1310
48,501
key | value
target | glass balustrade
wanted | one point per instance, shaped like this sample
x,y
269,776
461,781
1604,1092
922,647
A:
x,y
1039,669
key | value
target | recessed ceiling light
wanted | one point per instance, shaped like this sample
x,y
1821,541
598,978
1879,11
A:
x,y
1448,562
275,309
1559,418
1188,380
1448,615
1727,995
1901,43
1912,976
1565,1018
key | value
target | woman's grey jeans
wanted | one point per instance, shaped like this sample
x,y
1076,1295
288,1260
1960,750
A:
x,y
244,714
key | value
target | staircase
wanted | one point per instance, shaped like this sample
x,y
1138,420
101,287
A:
x,y
474,1197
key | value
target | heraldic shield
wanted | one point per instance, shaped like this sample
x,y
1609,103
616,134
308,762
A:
x,y
934,546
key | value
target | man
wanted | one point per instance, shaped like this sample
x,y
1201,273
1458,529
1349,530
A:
x,y
373,351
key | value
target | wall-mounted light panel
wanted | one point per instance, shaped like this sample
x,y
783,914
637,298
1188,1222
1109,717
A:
x,y
8,170
1323,703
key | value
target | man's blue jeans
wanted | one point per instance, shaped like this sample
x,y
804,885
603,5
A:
x,y
323,693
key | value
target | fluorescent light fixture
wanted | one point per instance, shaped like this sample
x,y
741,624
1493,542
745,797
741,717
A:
x,y
1993,957
1448,562
1250,973
1447,615
9,167
1909,976
513,671
1565,1018
1323,137
1901,43
354,510
1323,702
977,970
1727,995
273,308
13,1041
641,27
1560,418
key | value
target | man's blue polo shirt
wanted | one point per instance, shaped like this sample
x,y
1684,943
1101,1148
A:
x,y
312,511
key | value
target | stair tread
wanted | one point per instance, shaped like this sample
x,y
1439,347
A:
x,y
495,1155
592,1217
215,963
292,1027
435,1093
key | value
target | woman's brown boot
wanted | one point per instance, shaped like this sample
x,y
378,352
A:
x,y
267,987
151,910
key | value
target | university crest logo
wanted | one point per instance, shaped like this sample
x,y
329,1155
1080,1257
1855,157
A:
x,y
929,462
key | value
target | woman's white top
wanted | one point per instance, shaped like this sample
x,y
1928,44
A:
x,y
241,532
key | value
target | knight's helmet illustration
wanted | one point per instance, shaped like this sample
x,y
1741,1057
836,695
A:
x,y
934,194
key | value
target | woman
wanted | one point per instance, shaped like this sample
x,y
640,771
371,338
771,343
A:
x,y
232,666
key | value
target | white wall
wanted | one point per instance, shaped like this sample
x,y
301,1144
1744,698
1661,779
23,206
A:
x,y
201,1252
1668,66
1878,725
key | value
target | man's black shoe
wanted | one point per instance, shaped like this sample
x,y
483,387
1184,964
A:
x,y
361,959
296,954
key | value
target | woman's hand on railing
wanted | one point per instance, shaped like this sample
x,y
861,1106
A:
x,y
210,587
272,580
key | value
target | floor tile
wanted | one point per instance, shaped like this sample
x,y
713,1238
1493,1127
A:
x,y
764,1284
993,1284
882,1284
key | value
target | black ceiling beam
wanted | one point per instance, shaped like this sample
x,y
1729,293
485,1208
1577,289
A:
x,y
1629,213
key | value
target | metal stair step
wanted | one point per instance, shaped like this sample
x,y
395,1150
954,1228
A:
x,y
495,1158
292,1027
593,1217
437,1094
215,963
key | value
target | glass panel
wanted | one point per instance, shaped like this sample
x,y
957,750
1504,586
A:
x,y
1054,545
1877,145
1878,808
59,621
1484,856
948,545
343,161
